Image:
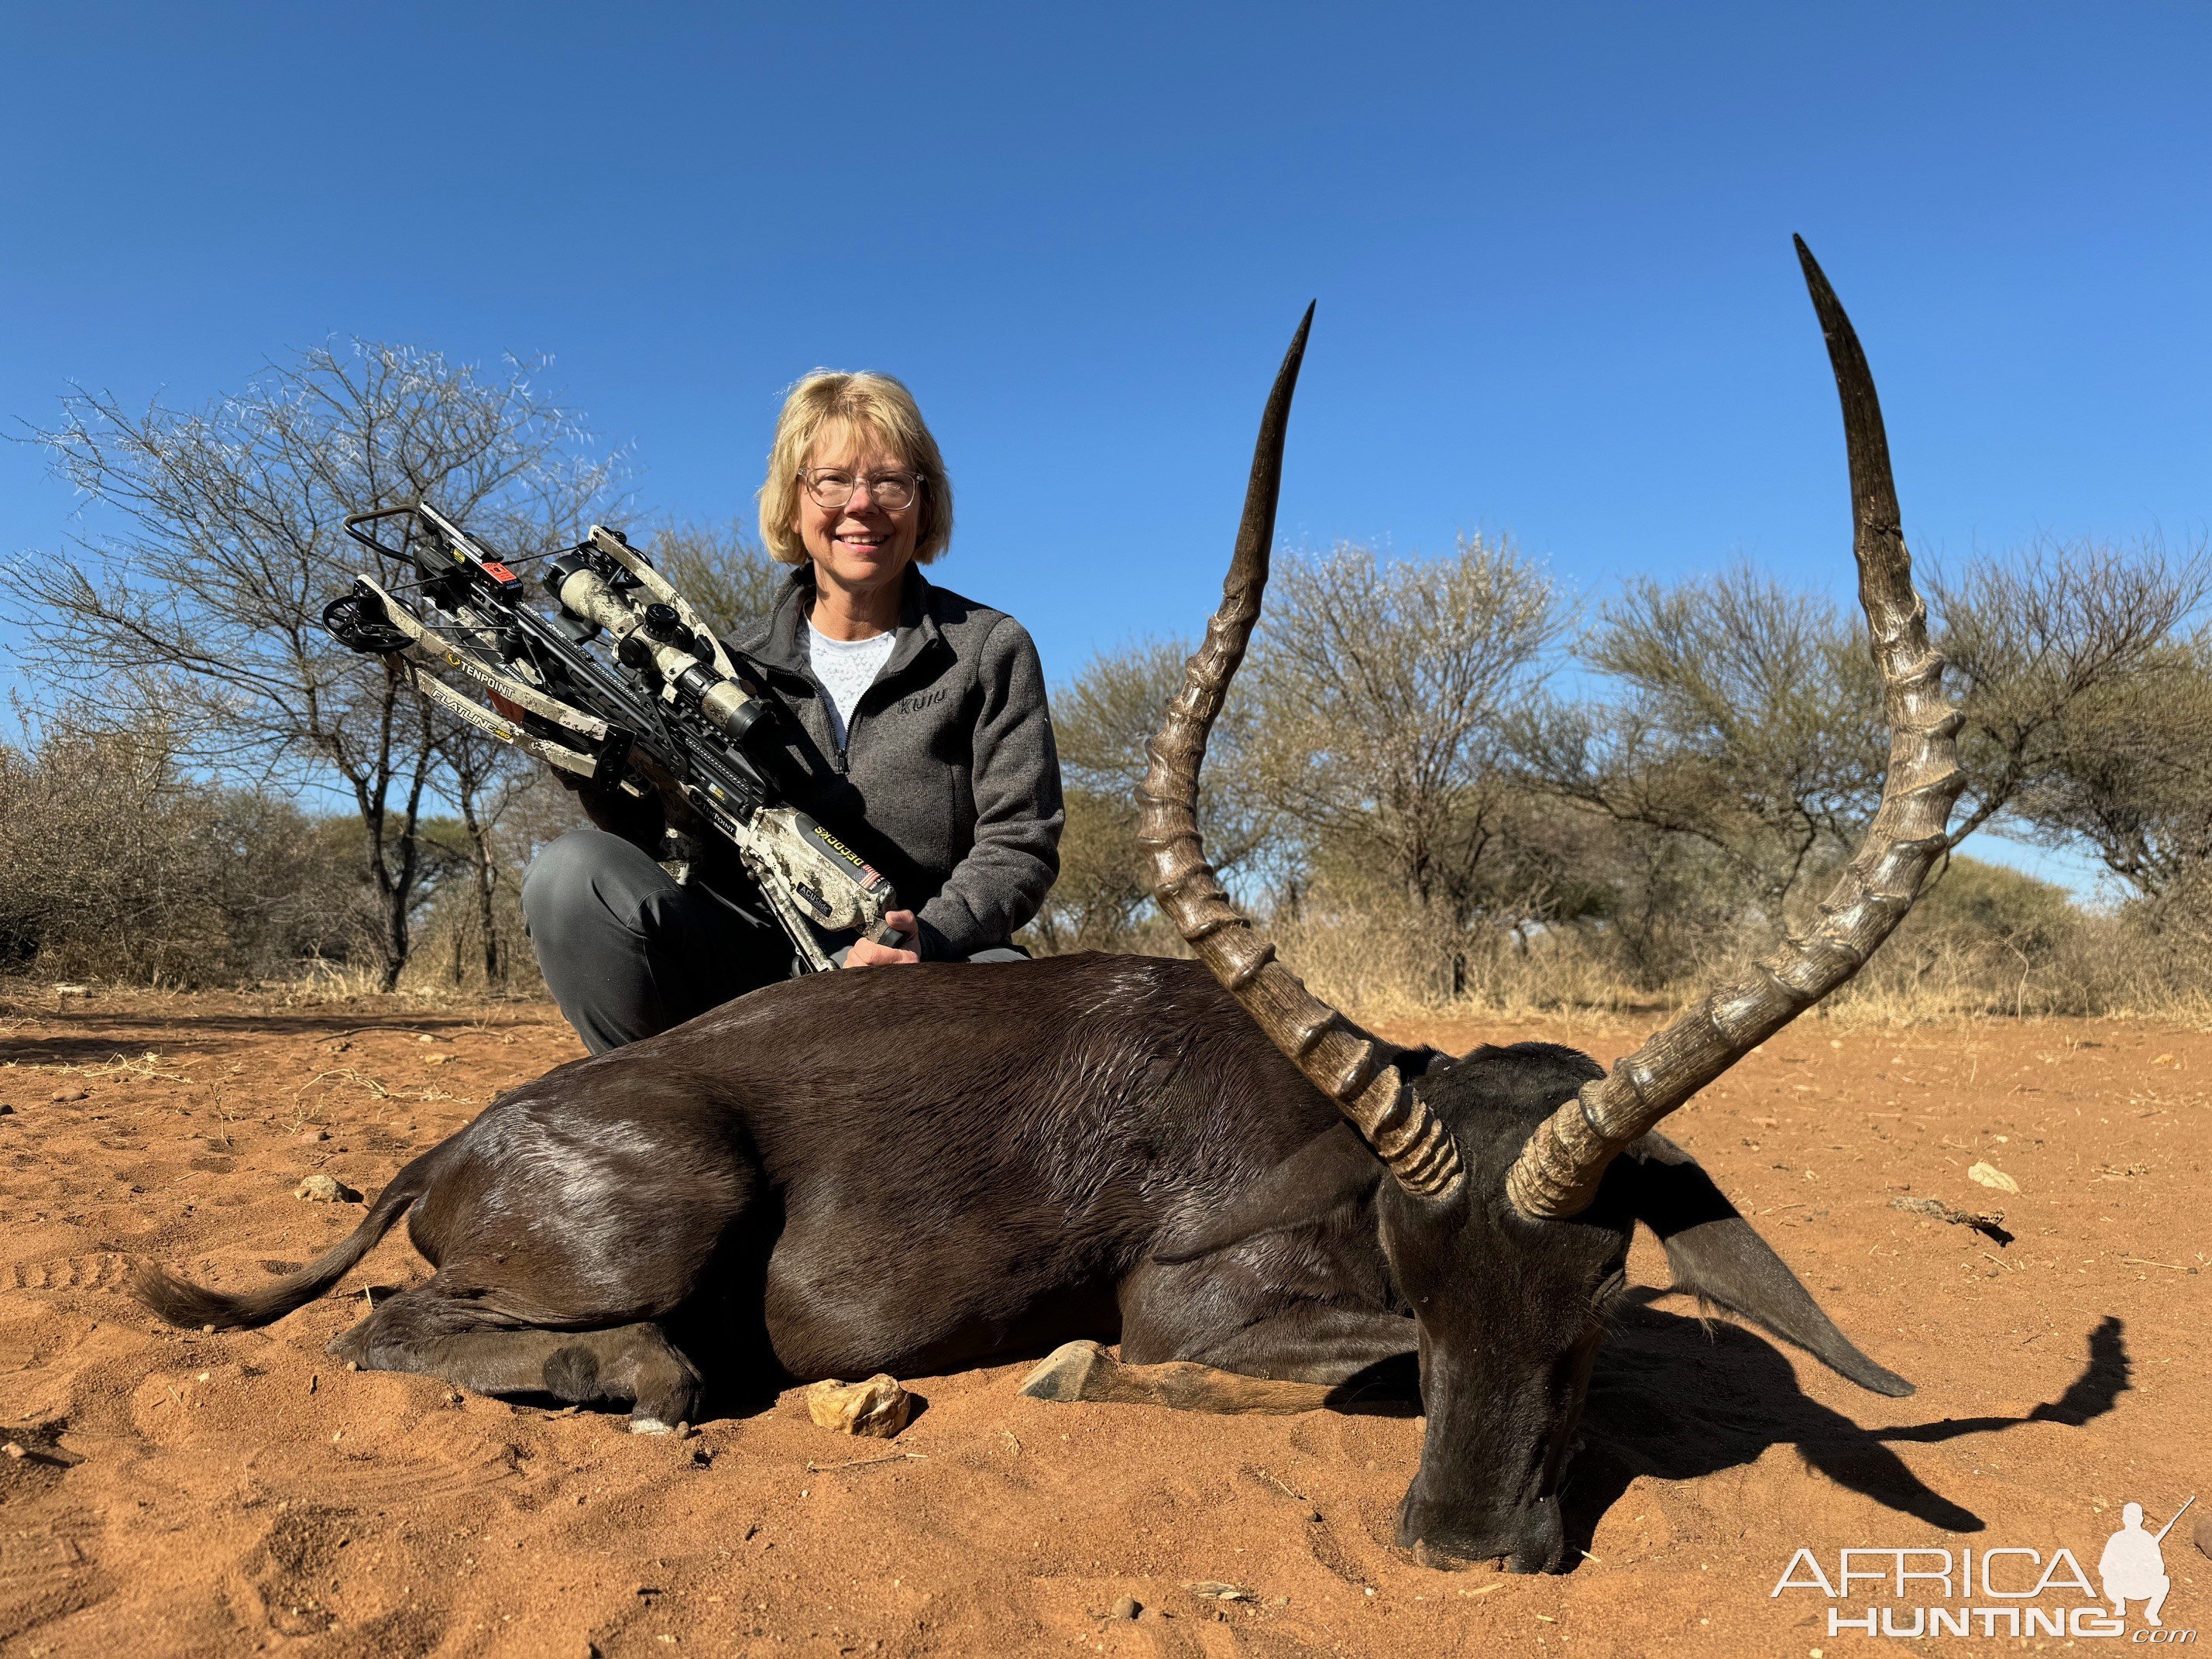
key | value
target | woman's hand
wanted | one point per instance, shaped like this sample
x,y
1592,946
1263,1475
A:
x,y
867,953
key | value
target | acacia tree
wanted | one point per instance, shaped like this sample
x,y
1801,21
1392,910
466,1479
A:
x,y
721,569
2085,702
484,781
220,539
1740,717
1743,718
1363,744
2133,777
1101,720
1382,695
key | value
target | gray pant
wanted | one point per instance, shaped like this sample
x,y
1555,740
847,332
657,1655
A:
x,y
628,953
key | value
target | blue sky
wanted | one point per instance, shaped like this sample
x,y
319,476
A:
x,y
1551,246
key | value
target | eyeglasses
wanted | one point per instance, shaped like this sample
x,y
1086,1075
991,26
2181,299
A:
x,y
833,488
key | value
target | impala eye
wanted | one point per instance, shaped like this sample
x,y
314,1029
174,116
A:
x,y
1609,1291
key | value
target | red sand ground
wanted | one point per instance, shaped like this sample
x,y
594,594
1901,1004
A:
x,y
181,1493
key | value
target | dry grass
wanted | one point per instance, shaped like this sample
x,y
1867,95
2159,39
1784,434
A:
x,y
25,1001
1395,964
1393,967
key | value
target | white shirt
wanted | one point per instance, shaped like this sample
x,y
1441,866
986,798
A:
x,y
847,668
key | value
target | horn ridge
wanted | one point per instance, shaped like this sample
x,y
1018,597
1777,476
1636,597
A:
x,y
1356,1069
1559,1170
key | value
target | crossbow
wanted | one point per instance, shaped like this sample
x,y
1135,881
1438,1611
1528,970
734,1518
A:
x,y
665,709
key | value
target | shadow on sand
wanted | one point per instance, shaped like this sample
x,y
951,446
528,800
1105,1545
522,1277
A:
x,y
1677,1397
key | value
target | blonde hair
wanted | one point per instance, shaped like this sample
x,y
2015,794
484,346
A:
x,y
874,403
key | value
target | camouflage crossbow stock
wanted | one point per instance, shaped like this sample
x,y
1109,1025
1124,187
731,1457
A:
x,y
666,710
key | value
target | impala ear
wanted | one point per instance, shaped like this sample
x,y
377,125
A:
x,y
1716,1255
1336,1165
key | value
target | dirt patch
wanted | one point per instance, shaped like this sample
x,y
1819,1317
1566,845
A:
x,y
180,1493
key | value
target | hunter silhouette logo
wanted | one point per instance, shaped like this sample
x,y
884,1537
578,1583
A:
x,y
2000,1590
2134,1566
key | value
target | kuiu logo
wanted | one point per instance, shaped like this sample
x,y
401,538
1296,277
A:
x,y
2007,1590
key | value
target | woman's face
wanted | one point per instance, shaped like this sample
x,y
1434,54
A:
x,y
857,545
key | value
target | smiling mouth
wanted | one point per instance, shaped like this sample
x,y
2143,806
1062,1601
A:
x,y
866,540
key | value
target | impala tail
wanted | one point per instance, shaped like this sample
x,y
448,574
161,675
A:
x,y
183,1303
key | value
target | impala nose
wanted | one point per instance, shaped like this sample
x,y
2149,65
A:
x,y
1531,1540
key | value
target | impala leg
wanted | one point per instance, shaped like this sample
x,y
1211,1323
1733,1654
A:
x,y
633,1365
1308,1358
1086,1371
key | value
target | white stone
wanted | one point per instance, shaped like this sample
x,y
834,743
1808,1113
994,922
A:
x,y
879,1407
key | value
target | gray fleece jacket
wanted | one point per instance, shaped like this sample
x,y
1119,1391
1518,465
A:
x,y
948,780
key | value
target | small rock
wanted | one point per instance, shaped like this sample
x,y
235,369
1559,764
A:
x,y
6,1110
320,1188
312,1133
878,1407
1127,1608
1988,1175
62,1096
1214,1591
15,1451
426,1039
1063,1374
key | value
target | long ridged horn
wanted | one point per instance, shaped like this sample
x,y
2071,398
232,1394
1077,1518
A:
x,y
1354,1067
1559,1170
